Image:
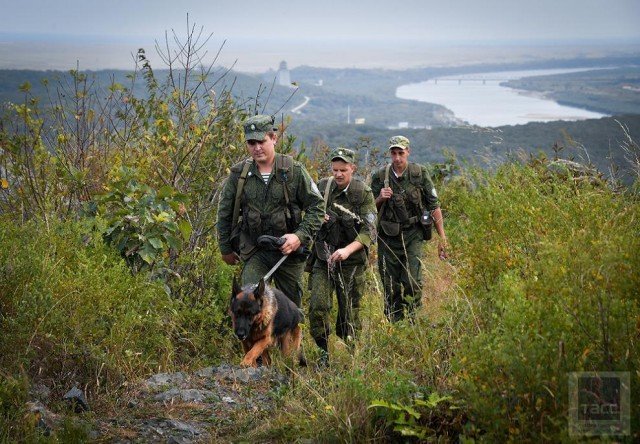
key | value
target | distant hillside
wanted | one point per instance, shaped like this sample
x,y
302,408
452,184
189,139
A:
x,y
597,139
610,91
326,98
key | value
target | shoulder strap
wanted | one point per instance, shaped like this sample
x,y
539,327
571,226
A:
x,y
240,187
415,174
283,173
327,189
386,185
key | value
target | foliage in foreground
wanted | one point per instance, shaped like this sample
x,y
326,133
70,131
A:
x,y
550,266
537,293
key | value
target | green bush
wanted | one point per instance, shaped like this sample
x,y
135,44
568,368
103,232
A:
x,y
201,293
549,266
143,224
71,312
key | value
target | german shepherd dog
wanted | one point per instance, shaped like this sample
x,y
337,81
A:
x,y
263,316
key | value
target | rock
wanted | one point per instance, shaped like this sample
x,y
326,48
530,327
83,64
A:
x,y
184,427
162,379
178,440
76,400
45,419
206,372
187,395
244,375
40,392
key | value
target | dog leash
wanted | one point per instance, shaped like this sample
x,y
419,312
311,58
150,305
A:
x,y
275,267
274,243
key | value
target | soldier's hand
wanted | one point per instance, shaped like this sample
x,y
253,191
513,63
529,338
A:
x,y
386,193
442,250
339,255
291,244
231,258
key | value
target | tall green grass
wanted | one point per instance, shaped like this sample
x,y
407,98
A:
x,y
72,311
542,282
550,265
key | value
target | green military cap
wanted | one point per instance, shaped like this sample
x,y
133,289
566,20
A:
x,y
257,127
399,142
343,154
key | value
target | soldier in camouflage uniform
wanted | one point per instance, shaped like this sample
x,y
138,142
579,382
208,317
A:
x,y
406,200
278,198
340,251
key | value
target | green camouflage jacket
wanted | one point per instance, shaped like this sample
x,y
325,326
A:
x,y
263,206
357,223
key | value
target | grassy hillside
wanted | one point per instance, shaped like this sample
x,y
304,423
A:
x,y
541,282
597,141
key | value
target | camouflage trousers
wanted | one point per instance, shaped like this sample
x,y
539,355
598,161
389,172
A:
x,y
347,282
287,278
401,273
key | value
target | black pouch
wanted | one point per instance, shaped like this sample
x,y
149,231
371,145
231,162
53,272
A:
x,y
426,224
234,238
254,220
390,228
308,266
278,223
399,208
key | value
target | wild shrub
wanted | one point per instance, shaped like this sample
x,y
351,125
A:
x,y
143,224
13,396
549,265
71,313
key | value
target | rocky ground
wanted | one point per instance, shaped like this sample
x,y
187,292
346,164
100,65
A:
x,y
209,405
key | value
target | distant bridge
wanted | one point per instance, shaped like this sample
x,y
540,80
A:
x,y
470,79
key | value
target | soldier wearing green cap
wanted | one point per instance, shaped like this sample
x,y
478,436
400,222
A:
x,y
408,206
340,251
268,193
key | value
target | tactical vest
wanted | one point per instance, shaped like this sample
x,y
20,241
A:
x,y
342,228
249,221
404,209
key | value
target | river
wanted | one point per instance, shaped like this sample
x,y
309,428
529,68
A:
x,y
480,100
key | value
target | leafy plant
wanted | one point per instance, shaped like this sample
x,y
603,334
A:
x,y
143,224
406,418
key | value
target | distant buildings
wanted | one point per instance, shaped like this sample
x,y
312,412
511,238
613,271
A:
x,y
283,76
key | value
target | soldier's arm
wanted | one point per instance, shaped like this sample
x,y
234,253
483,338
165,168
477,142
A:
x,y
225,214
376,187
368,215
433,205
310,200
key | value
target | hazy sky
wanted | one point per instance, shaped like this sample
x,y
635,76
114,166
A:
x,y
285,26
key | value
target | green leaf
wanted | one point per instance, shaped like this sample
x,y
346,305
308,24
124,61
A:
x,y
385,404
185,229
165,191
25,87
156,243
173,242
147,254
162,217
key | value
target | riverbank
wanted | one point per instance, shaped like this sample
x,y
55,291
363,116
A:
x,y
483,99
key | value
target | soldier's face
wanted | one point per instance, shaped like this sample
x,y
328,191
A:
x,y
399,158
342,172
263,151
